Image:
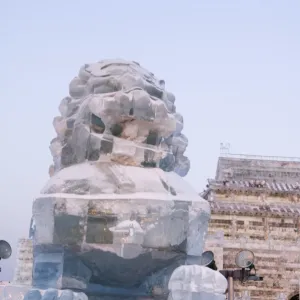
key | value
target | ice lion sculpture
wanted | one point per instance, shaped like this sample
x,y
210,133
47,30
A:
x,y
116,220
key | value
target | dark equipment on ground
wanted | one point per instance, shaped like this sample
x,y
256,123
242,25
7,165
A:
x,y
244,260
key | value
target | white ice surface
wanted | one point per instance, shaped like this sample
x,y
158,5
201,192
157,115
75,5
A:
x,y
141,183
194,278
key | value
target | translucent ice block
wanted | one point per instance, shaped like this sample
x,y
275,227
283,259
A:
x,y
15,292
197,282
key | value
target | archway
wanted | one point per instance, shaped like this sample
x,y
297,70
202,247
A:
x,y
296,297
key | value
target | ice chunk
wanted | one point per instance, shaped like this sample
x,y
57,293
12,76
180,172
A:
x,y
18,292
196,282
183,295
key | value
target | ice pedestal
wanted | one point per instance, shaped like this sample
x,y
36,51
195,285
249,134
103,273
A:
x,y
195,282
117,245
125,239
115,242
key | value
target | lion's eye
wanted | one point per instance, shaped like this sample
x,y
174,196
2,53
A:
x,y
116,129
97,124
153,138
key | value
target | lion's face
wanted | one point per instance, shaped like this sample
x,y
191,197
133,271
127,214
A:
x,y
119,111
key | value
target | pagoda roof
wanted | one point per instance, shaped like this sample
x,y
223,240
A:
x,y
247,167
254,185
255,175
263,209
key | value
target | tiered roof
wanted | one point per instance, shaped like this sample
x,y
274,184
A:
x,y
255,175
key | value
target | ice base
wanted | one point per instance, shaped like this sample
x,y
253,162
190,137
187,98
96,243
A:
x,y
134,230
188,282
121,242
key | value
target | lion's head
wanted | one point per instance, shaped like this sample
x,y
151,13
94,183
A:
x,y
119,111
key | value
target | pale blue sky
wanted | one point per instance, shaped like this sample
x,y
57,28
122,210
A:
x,y
233,65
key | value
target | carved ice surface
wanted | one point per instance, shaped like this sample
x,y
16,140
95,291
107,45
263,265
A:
x,y
115,219
197,282
116,107
134,221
